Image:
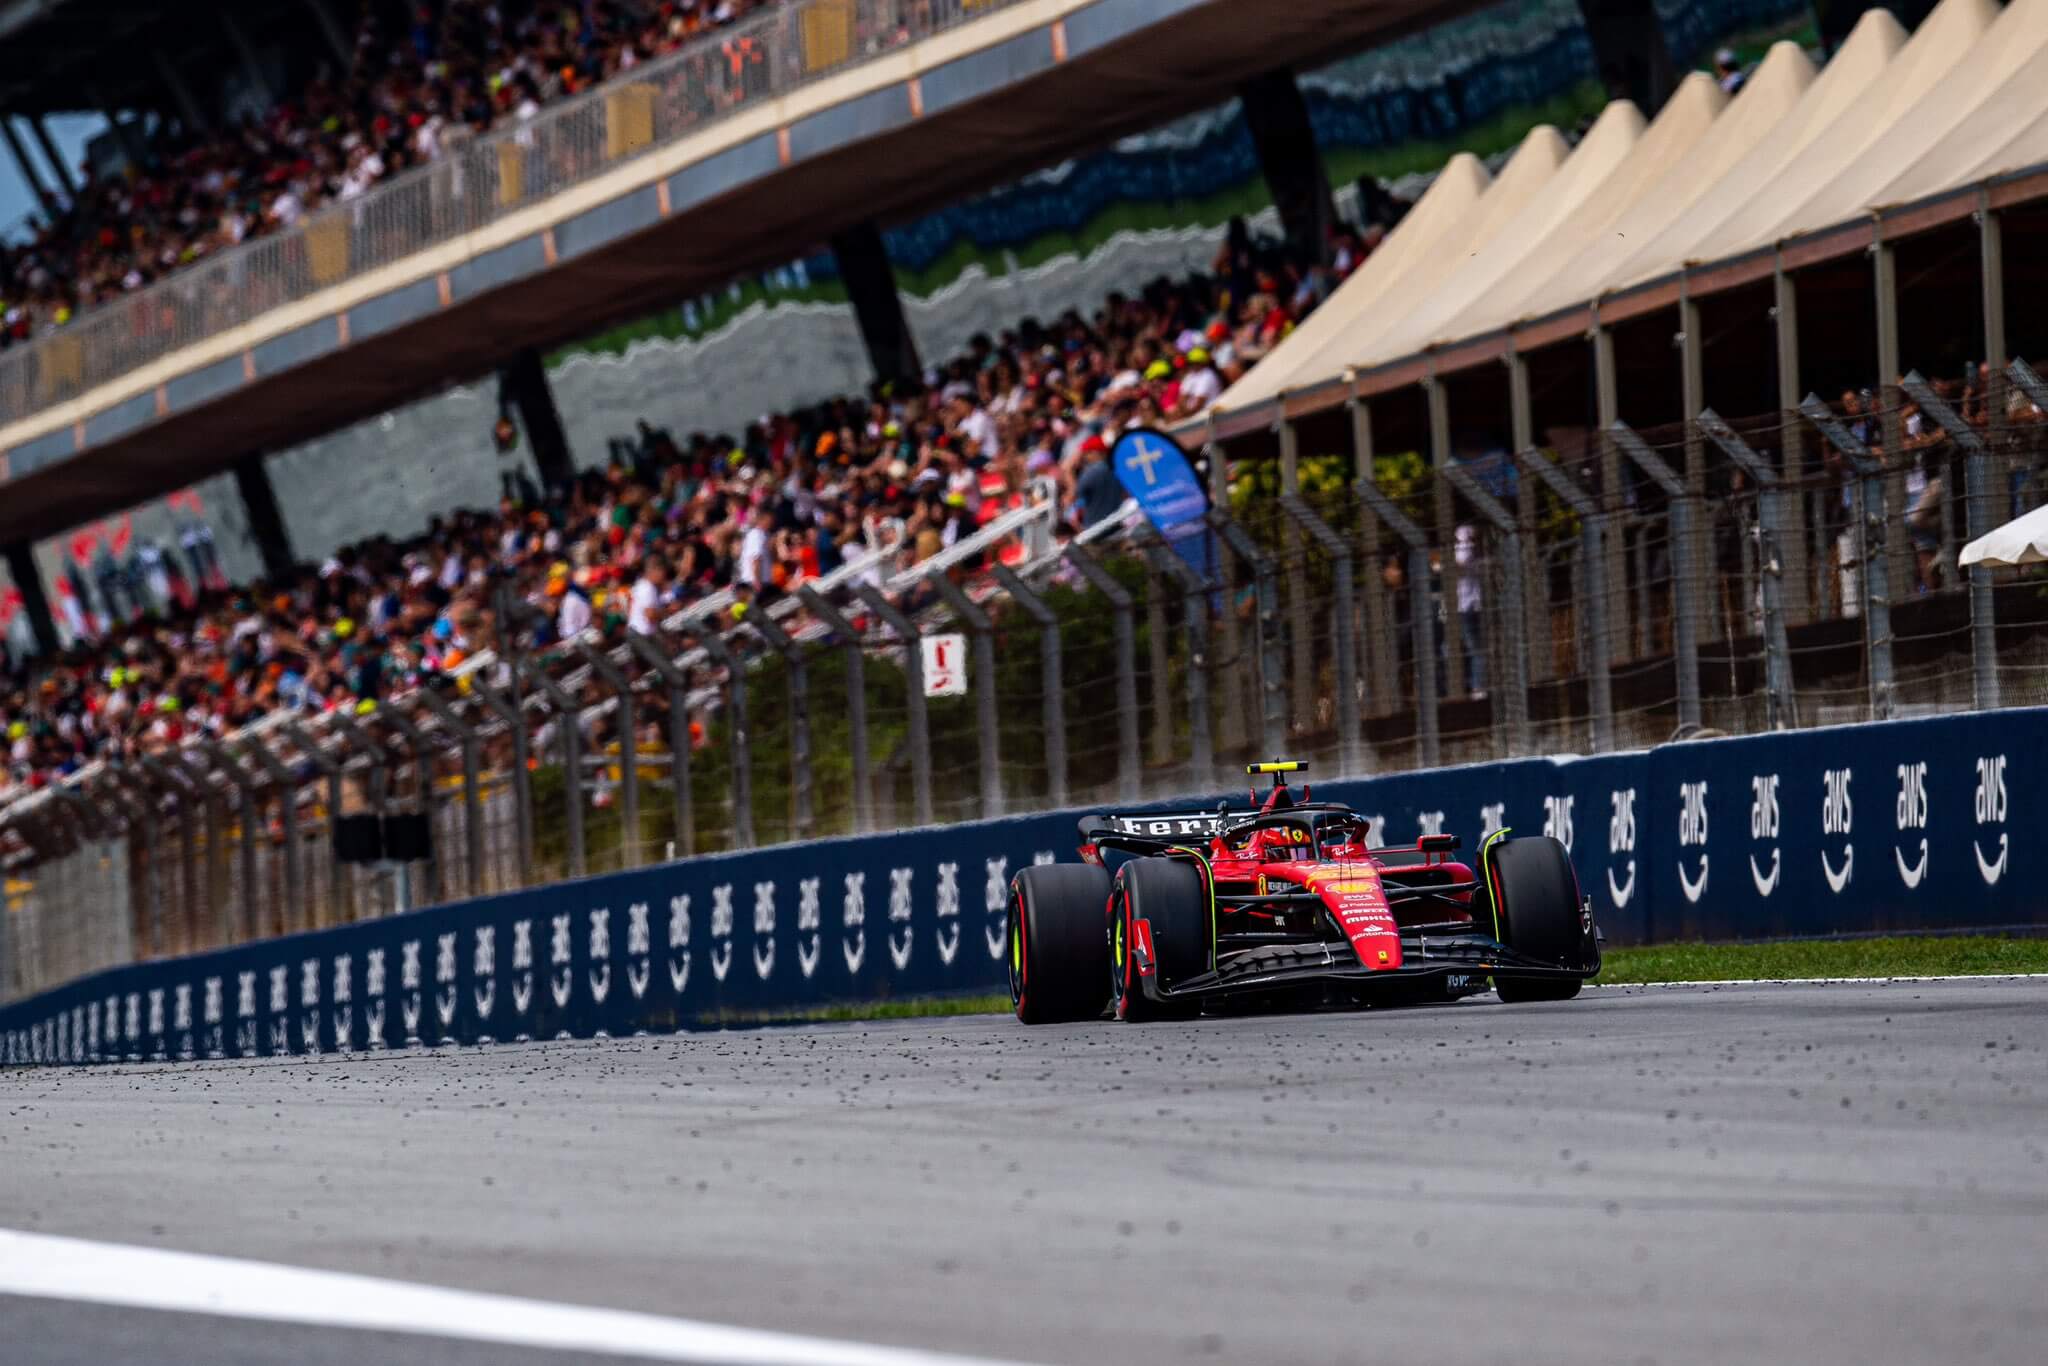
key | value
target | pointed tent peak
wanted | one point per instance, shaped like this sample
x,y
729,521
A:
x,y
1463,173
1945,35
1785,66
1537,158
1878,27
1619,122
1696,93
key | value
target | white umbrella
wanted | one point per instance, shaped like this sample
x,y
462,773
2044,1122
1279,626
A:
x,y
2023,540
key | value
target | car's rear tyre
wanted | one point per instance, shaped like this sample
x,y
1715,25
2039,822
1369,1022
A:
x,y
1534,896
1059,956
1169,895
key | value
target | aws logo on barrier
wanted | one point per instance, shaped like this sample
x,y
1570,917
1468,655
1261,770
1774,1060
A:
x,y
1621,844
1692,834
1837,817
1990,811
1912,815
1763,825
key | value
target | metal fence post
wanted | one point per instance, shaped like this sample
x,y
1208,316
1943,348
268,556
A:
x,y
1129,761
1792,459
254,924
1266,597
423,788
229,923
1195,620
194,805
786,647
1684,602
1159,663
1511,718
1871,555
856,703
287,788
1979,491
141,817
568,715
1592,546
1428,737
311,750
1771,536
1344,632
506,707
1051,682
913,698
982,632
1885,277
472,779
1536,591
677,680
629,749
742,750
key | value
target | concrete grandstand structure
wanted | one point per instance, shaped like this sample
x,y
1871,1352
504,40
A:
x,y
637,191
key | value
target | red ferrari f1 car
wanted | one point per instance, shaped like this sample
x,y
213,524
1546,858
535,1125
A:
x,y
1286,905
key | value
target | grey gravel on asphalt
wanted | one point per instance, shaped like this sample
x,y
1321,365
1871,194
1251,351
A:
x,y
1811,1173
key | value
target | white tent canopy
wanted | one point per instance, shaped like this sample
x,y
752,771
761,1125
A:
x,y
1890,120
2024,540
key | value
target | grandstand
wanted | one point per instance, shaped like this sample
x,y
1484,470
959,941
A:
x,y
1458,497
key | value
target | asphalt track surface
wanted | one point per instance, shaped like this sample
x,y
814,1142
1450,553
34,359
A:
x,y
1810,1173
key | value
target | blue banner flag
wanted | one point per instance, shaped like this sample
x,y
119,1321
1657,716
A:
x,y
1154,470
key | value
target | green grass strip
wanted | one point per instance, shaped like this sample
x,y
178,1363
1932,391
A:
x,y
1962,956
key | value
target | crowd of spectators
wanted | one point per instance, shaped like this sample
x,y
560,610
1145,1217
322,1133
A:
x,y
421,77
905,470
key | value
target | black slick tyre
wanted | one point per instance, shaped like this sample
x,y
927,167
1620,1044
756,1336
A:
x,y
1170,896
1534,896
1059,955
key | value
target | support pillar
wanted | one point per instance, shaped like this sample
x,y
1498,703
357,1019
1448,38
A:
x,y
337,40
28,580
1899,569
266,522
525,383
1797,585
871,287
181,93
1607,404
1457,670
252,69
65,180
51,205
1380,656
129,135
1301,668
1536,573
1991,262
1629,49
1285,141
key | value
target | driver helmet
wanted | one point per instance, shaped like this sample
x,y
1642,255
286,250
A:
x,y
1281,844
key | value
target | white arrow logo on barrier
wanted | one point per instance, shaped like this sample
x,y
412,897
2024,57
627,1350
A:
x,y
1765,885
1911,876
1991,872
1837,881
1626,890
1693,890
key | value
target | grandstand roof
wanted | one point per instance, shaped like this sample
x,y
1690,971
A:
x,y
1890,121
58,56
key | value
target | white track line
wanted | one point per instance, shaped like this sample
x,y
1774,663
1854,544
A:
x,y
1825,981
73,1269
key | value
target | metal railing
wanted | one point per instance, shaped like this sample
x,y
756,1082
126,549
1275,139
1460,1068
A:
x,y
473,183
1735,576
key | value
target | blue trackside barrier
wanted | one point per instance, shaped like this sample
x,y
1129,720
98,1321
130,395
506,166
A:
x,y
1907,825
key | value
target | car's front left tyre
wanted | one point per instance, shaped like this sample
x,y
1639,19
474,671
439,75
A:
x,y
1059,956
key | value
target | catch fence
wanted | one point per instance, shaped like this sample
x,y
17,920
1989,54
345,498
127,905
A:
x,y
1780,572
